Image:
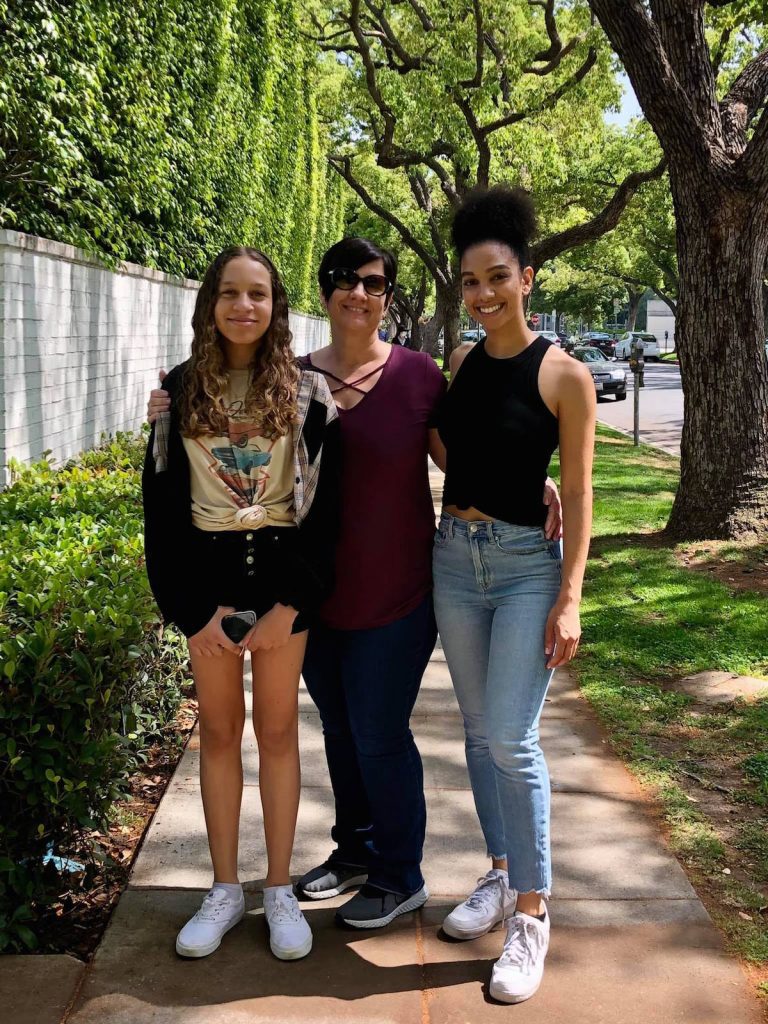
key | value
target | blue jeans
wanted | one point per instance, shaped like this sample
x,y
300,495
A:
x,y
495,584
364,683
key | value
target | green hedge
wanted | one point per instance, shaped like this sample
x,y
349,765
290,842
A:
x,y
159,131
88,678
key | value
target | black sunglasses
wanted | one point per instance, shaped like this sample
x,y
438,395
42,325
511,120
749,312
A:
x,y
346,279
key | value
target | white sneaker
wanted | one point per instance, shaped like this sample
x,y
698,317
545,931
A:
x,y
518,971
290,937
203,933
490,905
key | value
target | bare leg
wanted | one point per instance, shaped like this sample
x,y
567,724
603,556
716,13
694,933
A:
x,y
219,684
276,724
531,903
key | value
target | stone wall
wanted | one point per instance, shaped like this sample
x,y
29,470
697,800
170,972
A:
x,y
80,345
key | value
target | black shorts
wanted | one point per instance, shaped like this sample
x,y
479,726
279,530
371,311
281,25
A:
x,y
244,569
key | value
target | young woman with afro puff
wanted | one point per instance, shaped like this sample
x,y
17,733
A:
x,y
506,598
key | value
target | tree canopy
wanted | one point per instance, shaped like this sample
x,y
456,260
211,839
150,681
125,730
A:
x,y
441,95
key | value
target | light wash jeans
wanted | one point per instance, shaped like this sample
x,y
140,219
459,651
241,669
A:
x,y
495,585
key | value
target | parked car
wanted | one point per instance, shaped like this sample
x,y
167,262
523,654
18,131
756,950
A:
x,y
589,335
608,379
473,334
651,350
552,336
600,340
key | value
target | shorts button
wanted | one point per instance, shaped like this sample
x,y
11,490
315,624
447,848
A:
x,y
249,536
249,559
250,572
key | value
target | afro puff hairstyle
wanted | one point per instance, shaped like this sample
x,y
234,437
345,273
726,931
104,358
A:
x,y
498,214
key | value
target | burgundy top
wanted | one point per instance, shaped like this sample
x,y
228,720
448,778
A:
x,y
384,554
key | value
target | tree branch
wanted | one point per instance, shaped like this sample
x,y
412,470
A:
x,y
477,80
370,72
626,279
479,135
717,56
665,103
555,44
754,163
681,30
548,101
426,22
672,303
569,47
745,97
343,166
600,224
423,197
391,44
501,64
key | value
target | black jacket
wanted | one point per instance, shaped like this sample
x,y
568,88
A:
x,y
183,593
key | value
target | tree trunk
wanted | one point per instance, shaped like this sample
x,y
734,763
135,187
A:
x,y
449,303
722,244
634,306
431,332
417,336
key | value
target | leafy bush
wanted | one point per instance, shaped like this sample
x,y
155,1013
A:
x,y
88,678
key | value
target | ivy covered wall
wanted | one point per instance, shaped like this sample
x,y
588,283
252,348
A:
x,y
159,131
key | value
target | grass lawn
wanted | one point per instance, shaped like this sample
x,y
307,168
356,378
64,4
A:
x,y
648,620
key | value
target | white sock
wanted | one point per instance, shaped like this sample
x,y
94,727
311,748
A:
x,y
233,889
276,888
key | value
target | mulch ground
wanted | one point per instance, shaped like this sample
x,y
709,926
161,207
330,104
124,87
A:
x,y
76,922
742,567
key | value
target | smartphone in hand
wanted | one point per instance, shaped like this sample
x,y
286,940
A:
x,y
236,625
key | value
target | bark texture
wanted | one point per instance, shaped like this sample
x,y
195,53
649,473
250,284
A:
x,y
719,178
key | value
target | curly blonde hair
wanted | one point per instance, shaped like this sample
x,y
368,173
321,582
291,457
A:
x,y
271,397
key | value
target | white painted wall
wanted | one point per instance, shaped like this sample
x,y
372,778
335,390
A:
x,y
80,345
660,319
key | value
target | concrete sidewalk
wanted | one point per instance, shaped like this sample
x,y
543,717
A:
x,y
631,943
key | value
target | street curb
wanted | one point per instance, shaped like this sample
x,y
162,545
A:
x,y
647,444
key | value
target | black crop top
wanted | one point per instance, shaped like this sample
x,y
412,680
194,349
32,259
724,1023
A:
x,y
499,436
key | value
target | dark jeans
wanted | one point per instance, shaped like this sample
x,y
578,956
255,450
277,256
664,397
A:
x,y
364,683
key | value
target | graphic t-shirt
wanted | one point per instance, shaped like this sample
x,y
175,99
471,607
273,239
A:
x,y
244,480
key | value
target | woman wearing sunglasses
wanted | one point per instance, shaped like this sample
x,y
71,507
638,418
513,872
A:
x,y
365,659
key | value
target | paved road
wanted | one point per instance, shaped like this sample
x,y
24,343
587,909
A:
x,y
661,407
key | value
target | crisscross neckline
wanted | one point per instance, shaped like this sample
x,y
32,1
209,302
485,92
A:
x,y
352,385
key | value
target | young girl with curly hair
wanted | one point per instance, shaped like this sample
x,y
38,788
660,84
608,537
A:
x,y
241,486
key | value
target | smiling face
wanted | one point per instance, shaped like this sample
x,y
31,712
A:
x,y
356,310
493,285
243,309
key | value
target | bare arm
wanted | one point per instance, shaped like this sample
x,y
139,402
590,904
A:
x,y
576,415
458,356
